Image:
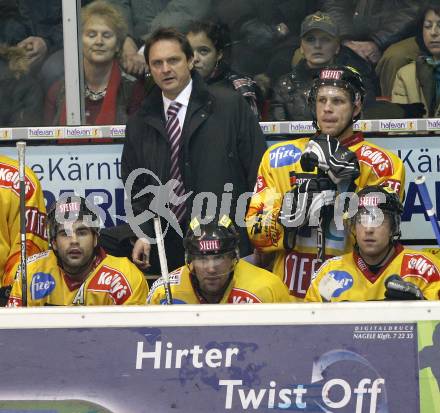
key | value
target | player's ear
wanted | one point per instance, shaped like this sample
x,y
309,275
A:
x,y
357,108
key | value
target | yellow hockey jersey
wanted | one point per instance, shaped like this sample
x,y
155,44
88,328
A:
x,y
36,236
112,281
280,170
249,285
347,277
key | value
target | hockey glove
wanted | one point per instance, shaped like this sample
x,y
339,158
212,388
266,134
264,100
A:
x,y
325,153
302,206
398,289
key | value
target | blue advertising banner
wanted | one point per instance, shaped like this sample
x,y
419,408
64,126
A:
x,y
94,171
351,368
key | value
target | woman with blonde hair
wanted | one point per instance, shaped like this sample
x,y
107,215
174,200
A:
x,y
108,90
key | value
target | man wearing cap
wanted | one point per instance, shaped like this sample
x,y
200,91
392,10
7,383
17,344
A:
x,y
379,267
214,272
297,177
320,45
76,271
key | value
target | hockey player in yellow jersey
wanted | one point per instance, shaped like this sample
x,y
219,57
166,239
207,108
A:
x,y
379,267
294,174
76,271
214,274
36,236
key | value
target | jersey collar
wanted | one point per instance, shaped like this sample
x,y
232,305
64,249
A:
x,y
353,139
363,267
73,285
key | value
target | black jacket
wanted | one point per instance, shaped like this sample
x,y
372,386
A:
x,y
14,27
21,99
382,21
46,20
222,143
253,29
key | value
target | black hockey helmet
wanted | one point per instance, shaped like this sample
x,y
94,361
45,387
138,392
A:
x,y
385,199
344,77
71,208
216,237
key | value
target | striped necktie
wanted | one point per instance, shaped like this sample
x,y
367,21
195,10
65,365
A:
x,y
174,133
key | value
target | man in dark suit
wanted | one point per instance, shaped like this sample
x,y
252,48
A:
x,y
219,147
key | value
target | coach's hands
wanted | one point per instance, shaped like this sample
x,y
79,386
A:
x,y
141,253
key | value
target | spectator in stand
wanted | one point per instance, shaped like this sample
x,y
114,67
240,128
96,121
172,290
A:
x,y
418,82
320,46
46,34
108,89
398,55
49,19
21,98
208,41
368,27
148,15
261,31
14,26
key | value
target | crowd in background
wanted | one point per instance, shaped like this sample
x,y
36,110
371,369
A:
x,y
267,50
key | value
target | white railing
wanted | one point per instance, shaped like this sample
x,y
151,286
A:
x,y
390,126
222,314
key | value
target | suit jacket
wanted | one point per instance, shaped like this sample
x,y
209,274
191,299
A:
x,y
222,143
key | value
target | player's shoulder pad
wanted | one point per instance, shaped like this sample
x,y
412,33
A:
x,y
285,153
174,279
31,259
378,159
325,264
123,263
420,265
9,171
38,256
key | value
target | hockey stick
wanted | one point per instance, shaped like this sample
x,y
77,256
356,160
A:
x,y
163,260
320,235
427,204
21,148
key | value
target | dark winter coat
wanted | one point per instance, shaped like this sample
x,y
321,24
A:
x,y
382,21
13,26
253,29
222,143
46,21
21,98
